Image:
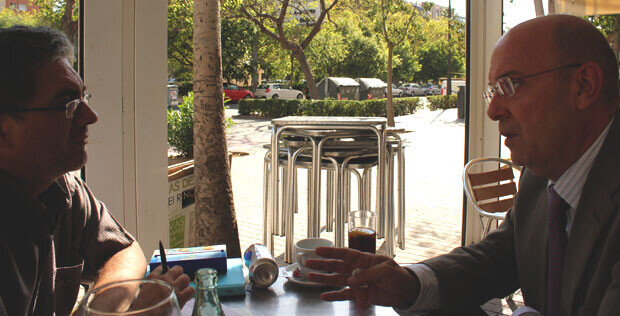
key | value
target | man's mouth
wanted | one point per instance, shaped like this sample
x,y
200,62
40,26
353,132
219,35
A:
x,y
83,140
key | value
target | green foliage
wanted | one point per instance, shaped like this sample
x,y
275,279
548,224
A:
x,y
10,17
441,102
435,52
180,39
181,126
605,23
365,56
237,36
408,63
326,51
51,12
327,107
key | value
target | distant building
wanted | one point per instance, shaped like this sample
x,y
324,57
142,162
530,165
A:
x,y
306,12
21,5
435,12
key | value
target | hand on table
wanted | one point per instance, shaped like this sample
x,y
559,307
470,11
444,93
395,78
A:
x,y
178,280
380,280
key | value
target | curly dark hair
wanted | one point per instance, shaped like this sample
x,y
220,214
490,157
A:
x,y
23,50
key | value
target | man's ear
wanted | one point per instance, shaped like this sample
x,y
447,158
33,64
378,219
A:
x,y
588,84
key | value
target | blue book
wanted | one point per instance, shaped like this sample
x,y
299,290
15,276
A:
x,y
193,258
231,283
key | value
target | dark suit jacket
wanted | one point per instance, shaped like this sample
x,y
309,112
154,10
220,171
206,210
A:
x,y
515,255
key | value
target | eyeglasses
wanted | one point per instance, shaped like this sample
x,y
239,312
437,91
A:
x,y
506,86
68,108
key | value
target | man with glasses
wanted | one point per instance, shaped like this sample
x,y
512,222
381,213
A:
x,y
54,233
553,89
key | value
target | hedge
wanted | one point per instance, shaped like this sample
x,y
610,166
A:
x,y
441,102
328,107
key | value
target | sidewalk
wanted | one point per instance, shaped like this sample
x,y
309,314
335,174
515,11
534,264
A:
x,y
434,197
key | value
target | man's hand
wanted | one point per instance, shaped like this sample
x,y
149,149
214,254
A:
x,y
178,280
377,280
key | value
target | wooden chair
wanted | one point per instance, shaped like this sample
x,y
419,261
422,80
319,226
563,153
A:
x,y
489,185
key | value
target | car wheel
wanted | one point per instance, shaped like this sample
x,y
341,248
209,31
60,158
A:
x,y
300,96
400,94
247,96
275,96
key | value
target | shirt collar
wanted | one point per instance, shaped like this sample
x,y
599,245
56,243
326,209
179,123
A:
x,y
23,213
570,184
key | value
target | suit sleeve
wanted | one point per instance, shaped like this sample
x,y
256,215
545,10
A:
x,y
610,302
470,276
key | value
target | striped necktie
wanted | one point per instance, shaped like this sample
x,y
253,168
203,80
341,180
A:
x,y
556,232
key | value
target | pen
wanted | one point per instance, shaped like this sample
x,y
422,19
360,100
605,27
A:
x,y
162,254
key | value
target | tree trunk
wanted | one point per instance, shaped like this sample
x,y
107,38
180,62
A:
x,y
216,221
305,67
538,7
617,37
389,107
69,27
551,7
255,62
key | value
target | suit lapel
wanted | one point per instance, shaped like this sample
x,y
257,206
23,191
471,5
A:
x,y
595,207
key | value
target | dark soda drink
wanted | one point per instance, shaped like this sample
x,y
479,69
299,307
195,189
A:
x,y
363,239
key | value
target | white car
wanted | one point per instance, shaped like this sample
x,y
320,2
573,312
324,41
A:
x,y
396,92
412,89
277,91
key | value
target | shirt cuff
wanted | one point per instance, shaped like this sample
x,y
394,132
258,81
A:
x,y
428,298
525,311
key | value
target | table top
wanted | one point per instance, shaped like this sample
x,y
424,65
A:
x,y
288,298
329,120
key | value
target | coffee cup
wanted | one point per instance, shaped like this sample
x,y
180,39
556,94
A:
x,y
304,250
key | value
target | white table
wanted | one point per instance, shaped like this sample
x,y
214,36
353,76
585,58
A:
x,y
319,129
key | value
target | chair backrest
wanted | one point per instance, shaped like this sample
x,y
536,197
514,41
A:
x,y
489,184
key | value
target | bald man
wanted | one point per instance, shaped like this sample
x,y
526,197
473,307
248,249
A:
x,y
553,89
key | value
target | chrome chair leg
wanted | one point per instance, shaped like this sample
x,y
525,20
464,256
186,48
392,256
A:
x,y
285,196
389,214
290,218
266,188
329,207
401,194
367,178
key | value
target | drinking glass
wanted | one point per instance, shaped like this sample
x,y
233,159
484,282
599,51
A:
x,y
362,233
131,297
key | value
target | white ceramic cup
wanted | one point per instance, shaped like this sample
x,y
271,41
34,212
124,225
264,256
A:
x,y
304,250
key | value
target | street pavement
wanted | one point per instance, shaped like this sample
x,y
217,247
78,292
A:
x,y
434,195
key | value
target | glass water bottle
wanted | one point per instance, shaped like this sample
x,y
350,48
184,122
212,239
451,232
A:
x,y
207,302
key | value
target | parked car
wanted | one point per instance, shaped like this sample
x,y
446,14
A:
x,y
277,91
412,89
431,89
234,93
396,92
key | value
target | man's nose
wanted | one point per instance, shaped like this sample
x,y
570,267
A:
x,y
86,115
496,109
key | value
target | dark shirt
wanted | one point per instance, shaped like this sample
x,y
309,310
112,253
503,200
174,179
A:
x,y
50,244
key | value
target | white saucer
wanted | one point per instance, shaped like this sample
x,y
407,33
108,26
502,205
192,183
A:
x,y
288,273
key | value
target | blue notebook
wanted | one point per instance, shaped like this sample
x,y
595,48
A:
x,y
232,282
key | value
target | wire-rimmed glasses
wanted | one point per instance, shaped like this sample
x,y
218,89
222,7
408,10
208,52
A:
x,y
69,108
506,86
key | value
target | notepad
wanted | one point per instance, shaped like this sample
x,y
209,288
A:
x,y
232,282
